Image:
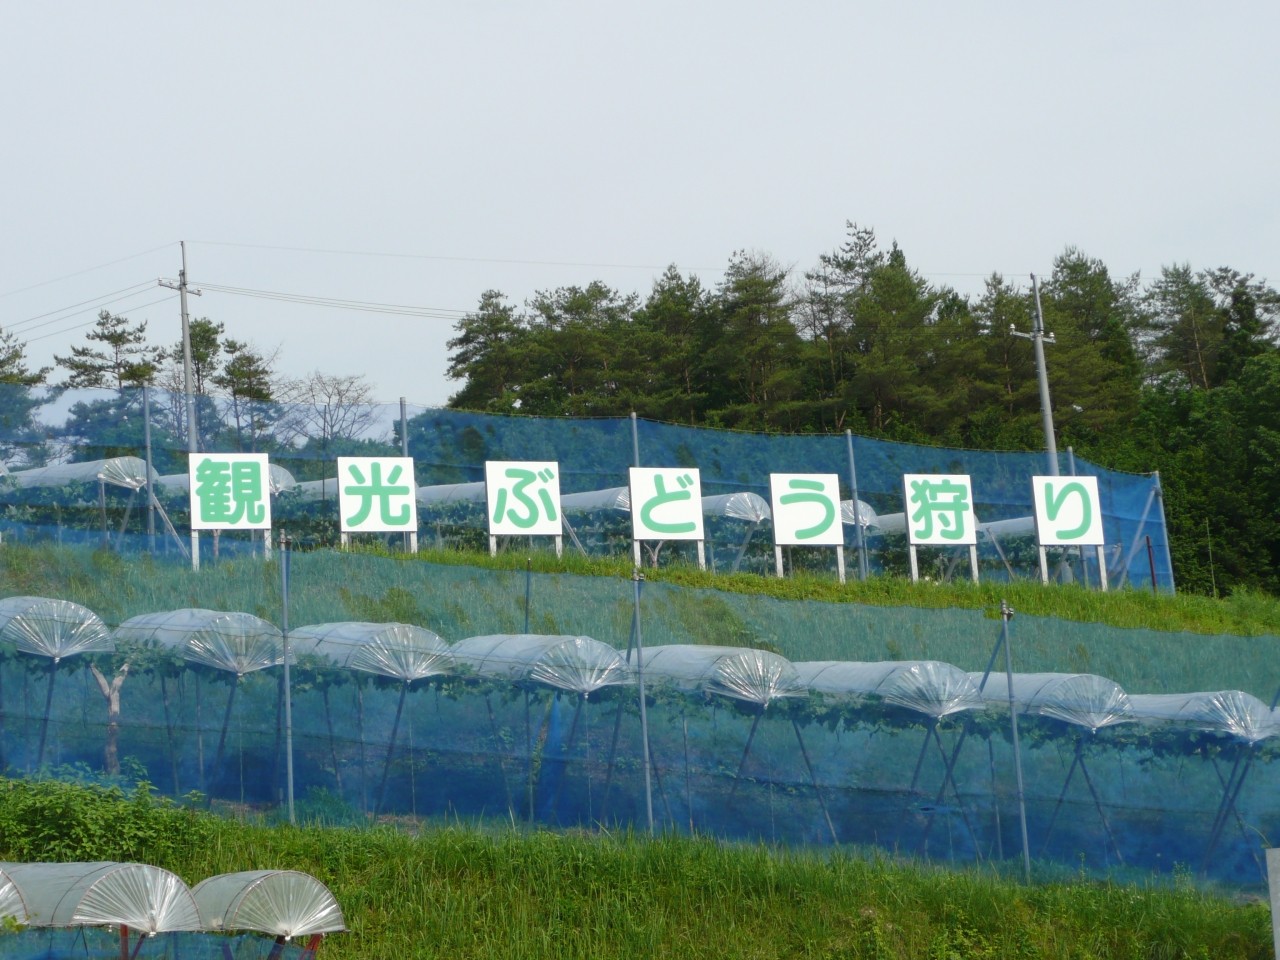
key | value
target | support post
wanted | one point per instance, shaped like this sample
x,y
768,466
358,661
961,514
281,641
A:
x,y
636,579
151,493
858,534
1038,339
1006,614
193,442
285,544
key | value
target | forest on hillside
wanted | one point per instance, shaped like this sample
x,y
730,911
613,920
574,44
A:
x,y
1178,373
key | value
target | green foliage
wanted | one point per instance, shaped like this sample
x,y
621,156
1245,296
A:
x,y
54,820
865,343
460,892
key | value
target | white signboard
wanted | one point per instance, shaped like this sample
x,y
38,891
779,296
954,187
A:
x,y
939,509
806,509
523,498
1068,511
666,503
377,495
229,491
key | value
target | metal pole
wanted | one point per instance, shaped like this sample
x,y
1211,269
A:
x,y
1046,407
285,544
1006,614
857,517
151,493
410,539
635,441
635,544
1038,338
1173,587
193,445
636,578
528,589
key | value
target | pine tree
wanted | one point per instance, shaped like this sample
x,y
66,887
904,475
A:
x,y
124,360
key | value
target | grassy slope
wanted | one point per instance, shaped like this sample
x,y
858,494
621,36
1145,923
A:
x,y
463,893
95,578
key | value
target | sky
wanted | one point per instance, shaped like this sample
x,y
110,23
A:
x,y
417,154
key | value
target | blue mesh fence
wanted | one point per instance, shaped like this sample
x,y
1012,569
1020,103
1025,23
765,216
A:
x,y
452,447
800,771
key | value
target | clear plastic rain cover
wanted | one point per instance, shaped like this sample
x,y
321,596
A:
x,y
1080,699
285,903
144,898
1234,713
12,907
747,506
127,472
742,673
929,687
52,628
399,650
577,664
239,643
451,493
279,480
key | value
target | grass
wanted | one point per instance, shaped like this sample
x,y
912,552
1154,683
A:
x,y
463,892
1244,613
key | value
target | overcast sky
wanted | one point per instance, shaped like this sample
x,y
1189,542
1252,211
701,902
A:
x,y
420,153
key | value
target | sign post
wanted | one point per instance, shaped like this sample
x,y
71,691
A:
x,y
666,504
1068,514
939,513
523,499
806,513
229,491
377,495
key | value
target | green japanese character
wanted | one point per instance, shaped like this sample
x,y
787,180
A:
x,y
523,478
376,489
661,499
816,496
230,491
945,500
1053,506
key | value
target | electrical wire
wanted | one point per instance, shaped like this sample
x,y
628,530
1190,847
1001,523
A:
x,y
97,301
78,273
397,309
425,256
45,336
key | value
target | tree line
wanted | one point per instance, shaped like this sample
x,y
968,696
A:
x,y
1180,374
241,402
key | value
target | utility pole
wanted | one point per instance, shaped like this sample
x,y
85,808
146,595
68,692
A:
x,y
1039,338
193,445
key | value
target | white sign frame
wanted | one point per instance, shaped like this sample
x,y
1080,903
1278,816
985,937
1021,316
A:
x,y
194,464
350,503
789,519
937,537
644,484
498,488
1049,529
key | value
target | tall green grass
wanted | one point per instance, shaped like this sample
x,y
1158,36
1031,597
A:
x,y
460,892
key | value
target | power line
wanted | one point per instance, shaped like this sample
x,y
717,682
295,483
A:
x,y
398,309
78,273
97,301
447,259
45,336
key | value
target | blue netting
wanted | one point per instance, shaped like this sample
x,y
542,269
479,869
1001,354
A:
x,y
510,744
451,447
